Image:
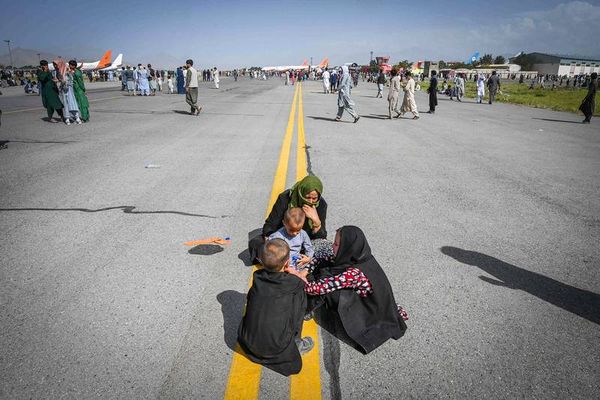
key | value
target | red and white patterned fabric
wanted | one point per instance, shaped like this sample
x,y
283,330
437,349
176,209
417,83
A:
x,y
352,278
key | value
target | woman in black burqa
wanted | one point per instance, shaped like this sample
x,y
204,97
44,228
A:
x,y
367,308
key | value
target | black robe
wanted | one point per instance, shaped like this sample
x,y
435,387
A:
x,y
369,321
588,105
275,221
433,82
275,309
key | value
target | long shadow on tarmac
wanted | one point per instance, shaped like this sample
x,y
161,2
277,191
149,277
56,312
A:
x,y
328,119
125,209
558,120
584,303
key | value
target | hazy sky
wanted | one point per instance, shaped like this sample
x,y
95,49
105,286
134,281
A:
x,y
241,33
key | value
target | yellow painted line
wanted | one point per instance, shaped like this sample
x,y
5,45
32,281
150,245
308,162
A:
x,y
244,375
42,108
307,384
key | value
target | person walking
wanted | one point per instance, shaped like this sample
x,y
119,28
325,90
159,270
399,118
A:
x,y
432,90
409,104
493,85
180,81
123,81
128,76
79,90
394,94
216,77
50,99
191,88
480,89
589,102
325,76
334,81
459,85
71,110
380,83
344,100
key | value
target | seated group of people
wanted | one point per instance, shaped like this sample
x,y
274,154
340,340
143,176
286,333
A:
x,y
302,270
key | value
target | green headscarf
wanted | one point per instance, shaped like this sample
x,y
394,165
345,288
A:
x,y
302,188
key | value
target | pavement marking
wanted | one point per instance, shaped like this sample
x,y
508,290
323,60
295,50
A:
x,y
42,108
244,375
306,384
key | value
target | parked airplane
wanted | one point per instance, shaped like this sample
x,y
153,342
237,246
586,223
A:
x,y
304,66
84,66
473,59
115,64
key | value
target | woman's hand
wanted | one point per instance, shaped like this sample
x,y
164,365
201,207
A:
x,y
302,274
311,213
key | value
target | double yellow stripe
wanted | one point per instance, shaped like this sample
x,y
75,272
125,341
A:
x,y
244,375
307,384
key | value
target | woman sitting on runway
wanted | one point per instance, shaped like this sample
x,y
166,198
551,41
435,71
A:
x,y
356,287
307,194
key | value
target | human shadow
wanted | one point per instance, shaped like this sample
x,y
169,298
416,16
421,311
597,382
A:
x,y
581,302
375,116
182,112
324,119
125,209
38,141
244,256
332,333
558,120
232,307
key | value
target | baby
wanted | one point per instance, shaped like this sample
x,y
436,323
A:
x,y
296,237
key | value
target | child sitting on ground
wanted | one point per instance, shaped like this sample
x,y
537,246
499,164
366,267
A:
x,y
270,330
301,249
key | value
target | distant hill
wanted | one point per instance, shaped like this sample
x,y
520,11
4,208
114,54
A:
x,y
23,57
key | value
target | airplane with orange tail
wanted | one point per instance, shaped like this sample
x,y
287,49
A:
x,y
90,66
304,66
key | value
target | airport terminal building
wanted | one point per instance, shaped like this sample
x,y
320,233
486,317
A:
x,y
550,64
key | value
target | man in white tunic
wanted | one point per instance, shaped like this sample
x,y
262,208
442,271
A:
x,y
409,104
326,88
216,77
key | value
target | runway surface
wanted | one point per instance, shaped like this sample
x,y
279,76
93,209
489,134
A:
x,y
485,218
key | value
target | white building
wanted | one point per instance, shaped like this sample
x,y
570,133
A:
x,y
563,65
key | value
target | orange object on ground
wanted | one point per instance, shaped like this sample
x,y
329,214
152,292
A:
x,y
212,240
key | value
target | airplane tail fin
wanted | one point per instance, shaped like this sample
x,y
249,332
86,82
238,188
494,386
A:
x,y
105,60
118,61
324,63
305,63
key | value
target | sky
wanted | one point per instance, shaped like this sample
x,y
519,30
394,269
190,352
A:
x,y
230,34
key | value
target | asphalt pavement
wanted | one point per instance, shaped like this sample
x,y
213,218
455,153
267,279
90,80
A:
x,y
485,218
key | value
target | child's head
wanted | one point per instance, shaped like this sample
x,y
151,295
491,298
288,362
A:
x,y
275,255
293,220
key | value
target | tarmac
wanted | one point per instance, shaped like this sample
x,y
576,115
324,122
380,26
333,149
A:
x,y
486,219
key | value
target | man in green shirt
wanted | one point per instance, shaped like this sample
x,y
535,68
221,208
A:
x,y
50,98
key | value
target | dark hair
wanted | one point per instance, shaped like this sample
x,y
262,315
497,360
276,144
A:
x,y
594,75
274,254
73,62
433,73
408,73
149,65
43,62
190,61
493,72
394,72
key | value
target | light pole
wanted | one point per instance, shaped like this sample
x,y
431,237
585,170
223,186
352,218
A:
x,y
9,53
39,57
371,56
